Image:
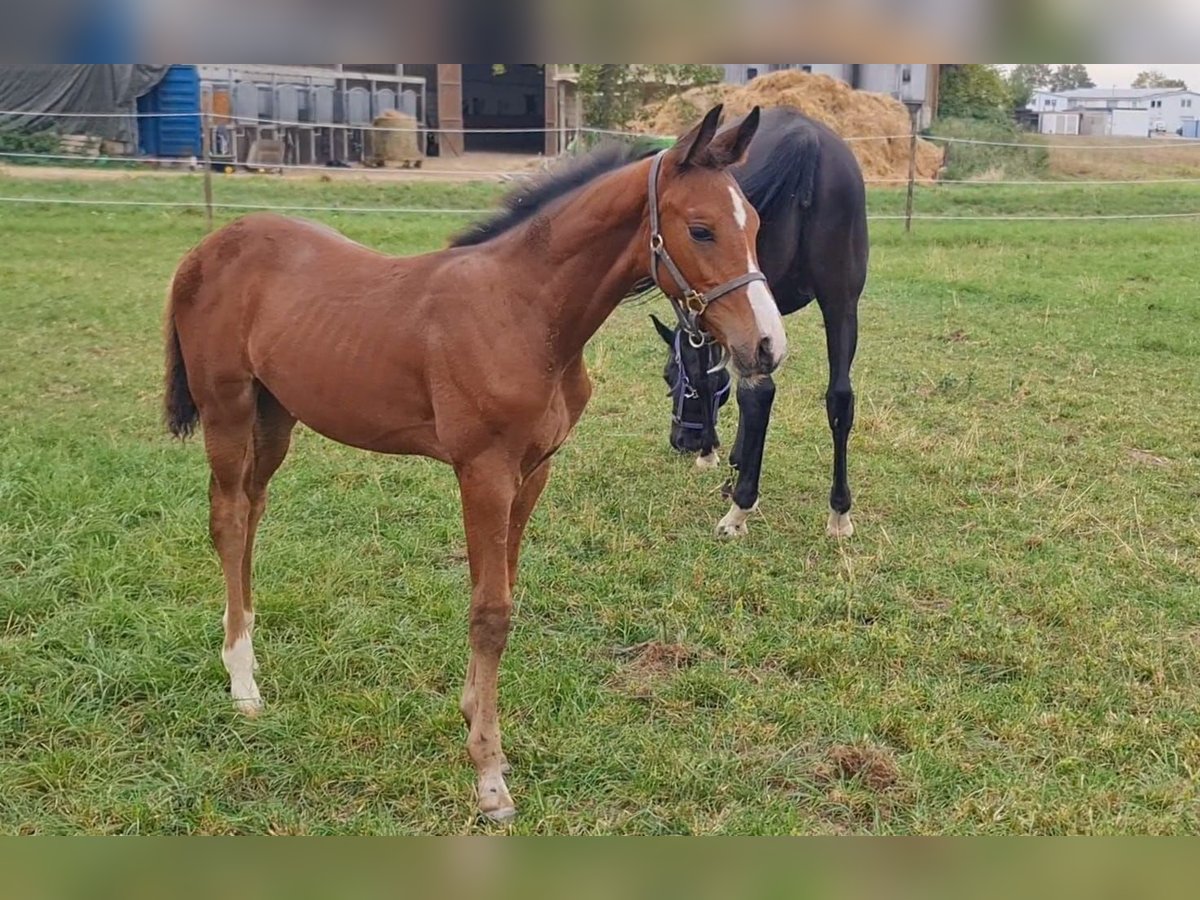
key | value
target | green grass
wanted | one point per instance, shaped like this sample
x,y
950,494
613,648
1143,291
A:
x,y
1010,642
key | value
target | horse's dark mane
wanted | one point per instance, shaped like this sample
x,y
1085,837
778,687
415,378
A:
x,y
534,196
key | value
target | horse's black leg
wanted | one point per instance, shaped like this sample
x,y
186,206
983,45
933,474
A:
x,y
754,403
735,455
841,337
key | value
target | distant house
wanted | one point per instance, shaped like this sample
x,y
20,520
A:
x,y
915,84
1115,111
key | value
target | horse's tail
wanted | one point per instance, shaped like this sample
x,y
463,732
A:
x,y
179,408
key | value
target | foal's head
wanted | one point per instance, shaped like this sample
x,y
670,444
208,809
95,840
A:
x,y
698,384
708,232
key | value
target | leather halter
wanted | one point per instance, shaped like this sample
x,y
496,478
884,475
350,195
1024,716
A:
x,y
692,304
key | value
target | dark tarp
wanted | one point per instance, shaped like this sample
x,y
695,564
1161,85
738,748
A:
x,y
76,89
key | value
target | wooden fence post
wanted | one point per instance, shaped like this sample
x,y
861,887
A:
x,y
206,131
912,172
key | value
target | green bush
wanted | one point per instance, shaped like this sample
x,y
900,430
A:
x,y
27,142
975,91
985,160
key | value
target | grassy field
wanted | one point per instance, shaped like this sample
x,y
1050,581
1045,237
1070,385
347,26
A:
x,y
1010,642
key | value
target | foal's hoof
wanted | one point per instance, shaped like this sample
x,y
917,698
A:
x,y
250,707
839,525
500,816
495,803
711,461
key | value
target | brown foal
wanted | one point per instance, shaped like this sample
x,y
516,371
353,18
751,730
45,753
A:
x,y
470,355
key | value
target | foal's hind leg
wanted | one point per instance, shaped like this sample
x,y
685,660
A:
x,y
272,437
228,419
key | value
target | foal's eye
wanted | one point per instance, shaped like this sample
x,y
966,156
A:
x,y
700,233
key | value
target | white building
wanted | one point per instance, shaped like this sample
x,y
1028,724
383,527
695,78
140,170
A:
x,y
1126,111
915,84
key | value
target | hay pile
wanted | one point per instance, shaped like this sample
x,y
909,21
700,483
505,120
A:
x,y
402,147
848,112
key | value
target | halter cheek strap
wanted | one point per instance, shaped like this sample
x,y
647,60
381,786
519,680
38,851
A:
x,y
692,305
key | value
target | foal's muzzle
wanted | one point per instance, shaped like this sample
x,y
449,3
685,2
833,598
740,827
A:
x,y
762,361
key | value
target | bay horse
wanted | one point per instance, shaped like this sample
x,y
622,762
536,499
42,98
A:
x,y
470,355
812,244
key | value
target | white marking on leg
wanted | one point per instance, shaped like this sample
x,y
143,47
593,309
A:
x,y
766,312
240,664
839,525
734,523
710,461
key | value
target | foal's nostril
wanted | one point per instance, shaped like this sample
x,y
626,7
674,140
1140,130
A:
x,y
765,358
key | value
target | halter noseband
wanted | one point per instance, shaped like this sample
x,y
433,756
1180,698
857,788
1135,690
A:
x,y
691,306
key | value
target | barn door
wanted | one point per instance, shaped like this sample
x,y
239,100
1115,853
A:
x,y
449,103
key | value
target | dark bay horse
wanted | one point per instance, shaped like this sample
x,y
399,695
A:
x,y
812,244
471,355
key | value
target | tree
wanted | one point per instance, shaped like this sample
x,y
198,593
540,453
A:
x,y
1155,79
1026,78
612,92
1036,75
974,91
1071,76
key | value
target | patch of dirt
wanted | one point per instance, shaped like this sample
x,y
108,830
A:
x,y
647,663
1146,458
848,112
656,657
873,766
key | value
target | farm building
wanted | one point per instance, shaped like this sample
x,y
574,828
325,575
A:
x,y
1129,111
1078,121
303,114
915,85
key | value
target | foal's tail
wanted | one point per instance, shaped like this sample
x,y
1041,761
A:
x,y
179,409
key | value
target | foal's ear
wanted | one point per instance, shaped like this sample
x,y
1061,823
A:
x,y
729,147
692,146
667,334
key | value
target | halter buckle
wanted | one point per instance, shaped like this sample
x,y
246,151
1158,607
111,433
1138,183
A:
x,y
656,243
694,302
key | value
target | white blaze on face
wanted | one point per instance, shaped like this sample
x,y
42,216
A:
x,y
766,313
739,207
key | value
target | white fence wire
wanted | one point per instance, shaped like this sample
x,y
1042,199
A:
x,y
504,175
467,211
458,174
1159,143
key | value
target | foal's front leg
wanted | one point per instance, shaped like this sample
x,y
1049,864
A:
x,y
754,402
488,491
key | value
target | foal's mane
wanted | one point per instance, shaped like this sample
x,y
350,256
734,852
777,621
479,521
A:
x,y
533,196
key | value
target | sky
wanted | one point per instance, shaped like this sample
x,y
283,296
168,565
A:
x,y
1121,75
